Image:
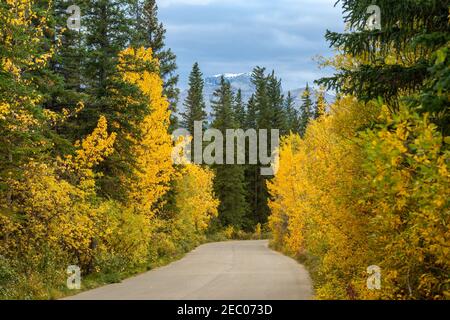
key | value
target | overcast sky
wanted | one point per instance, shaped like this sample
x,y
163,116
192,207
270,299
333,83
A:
x,y
233,36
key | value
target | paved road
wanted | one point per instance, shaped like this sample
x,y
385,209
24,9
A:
x,y
235,270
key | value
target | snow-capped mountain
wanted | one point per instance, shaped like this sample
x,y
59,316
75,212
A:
x,y
237,81
240,81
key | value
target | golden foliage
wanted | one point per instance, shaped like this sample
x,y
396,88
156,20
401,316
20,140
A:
x,y
347,201
49,210
407,187
194,197
95,147
50,213
153,151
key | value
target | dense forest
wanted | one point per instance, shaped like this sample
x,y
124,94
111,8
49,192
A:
x,y
87,176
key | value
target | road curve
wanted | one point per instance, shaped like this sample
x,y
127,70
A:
x,y
235,270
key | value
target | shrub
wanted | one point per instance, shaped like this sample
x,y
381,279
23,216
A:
x,y
351,194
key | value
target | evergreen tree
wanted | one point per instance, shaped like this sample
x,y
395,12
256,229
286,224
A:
x,y
222,107
24,132
69,56
66,90
150,33
276,99
293,119
396,60
107,28
306,110
251,114
434,97
251,171
229,184
239,109
261,108
264,113
194,103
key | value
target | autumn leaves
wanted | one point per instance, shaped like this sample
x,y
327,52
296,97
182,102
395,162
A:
x,y
52,211
345,199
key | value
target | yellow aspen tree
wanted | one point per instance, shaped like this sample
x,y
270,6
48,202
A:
x,y
315,206
195,199
346,199
286,191
153,149
55,208
408,189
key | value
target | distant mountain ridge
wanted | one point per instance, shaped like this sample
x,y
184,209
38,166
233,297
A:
x,y
242,81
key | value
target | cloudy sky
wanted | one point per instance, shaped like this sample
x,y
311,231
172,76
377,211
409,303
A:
x,y
233,36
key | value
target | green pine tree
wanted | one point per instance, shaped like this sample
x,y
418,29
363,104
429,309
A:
x,y
66,89
239,109
396,60
107,28
194,103
229,182
434,97
251,115
292,115
276,104
261,114
264,112
251,171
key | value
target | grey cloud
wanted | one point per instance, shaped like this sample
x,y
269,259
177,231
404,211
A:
x,y
235,36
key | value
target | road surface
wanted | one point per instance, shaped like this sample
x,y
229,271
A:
x,y
236,270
